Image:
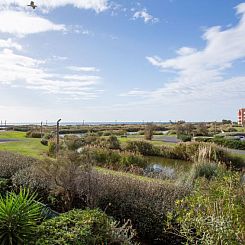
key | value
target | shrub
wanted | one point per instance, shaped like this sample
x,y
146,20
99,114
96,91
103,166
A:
x,y
230,143
114,159
113,143
184,137
4,185
213,214
124,197
73,142
143,147
62,176
33,134
19,215
207,170
10,163
44,141
82,227
149,131
52,146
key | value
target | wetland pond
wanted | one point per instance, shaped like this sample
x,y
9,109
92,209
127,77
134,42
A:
x,y
164,168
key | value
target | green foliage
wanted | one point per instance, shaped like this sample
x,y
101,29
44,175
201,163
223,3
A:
x,y
86,227
114,159
143,147
207,170
52,148
4,185
73,142
230,143
184,137
113,143
213,214
19,214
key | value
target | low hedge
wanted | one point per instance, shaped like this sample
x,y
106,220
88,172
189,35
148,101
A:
x,y
83,227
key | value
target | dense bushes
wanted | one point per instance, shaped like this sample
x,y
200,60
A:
x,y
224,141
125,197
143,147
230,143
214,213
84,227
10,163
114,159
33,134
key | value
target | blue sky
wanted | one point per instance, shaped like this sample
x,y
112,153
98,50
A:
x,y
107,60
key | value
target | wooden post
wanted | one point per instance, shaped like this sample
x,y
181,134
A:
x,y
41,129
58,137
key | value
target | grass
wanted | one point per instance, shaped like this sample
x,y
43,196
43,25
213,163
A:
x,y
133,176
26,146
239,155
141,137
12,135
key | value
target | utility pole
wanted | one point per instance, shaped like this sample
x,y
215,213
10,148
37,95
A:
x,y
41,129
58,137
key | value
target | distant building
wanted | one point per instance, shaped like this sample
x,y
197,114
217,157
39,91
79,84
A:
x,y
241,116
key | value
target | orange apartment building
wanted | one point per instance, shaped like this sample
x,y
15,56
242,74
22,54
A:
x,y
241,116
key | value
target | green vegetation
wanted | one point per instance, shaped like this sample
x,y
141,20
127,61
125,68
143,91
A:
x,y
28,147
12,135
203,205
83,227
19,214
213,213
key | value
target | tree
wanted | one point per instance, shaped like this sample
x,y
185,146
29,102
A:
x,y
149,131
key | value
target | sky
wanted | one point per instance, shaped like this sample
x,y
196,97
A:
x,y
122,60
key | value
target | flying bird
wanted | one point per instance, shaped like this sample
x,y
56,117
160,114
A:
x,y
32,4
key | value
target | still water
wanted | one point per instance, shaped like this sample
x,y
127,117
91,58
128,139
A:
x,y
164,168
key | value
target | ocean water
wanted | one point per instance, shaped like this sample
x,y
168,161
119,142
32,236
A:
x,y
84,123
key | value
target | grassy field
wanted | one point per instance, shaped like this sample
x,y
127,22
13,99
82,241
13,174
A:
x,y
12,135
26,146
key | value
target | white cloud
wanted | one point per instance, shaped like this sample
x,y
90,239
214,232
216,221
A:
x,y
143,14
22,71
186,51
9,43
203,74
96,5
83,69
21,23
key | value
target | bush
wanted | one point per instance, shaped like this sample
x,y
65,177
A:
x,y
33,134
230,143
207,170
149,131
213,214
184,137
44,141
124,197
73,142
114,159
113,143
86,227
52,146
4,186
19,215
143,147
10,163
